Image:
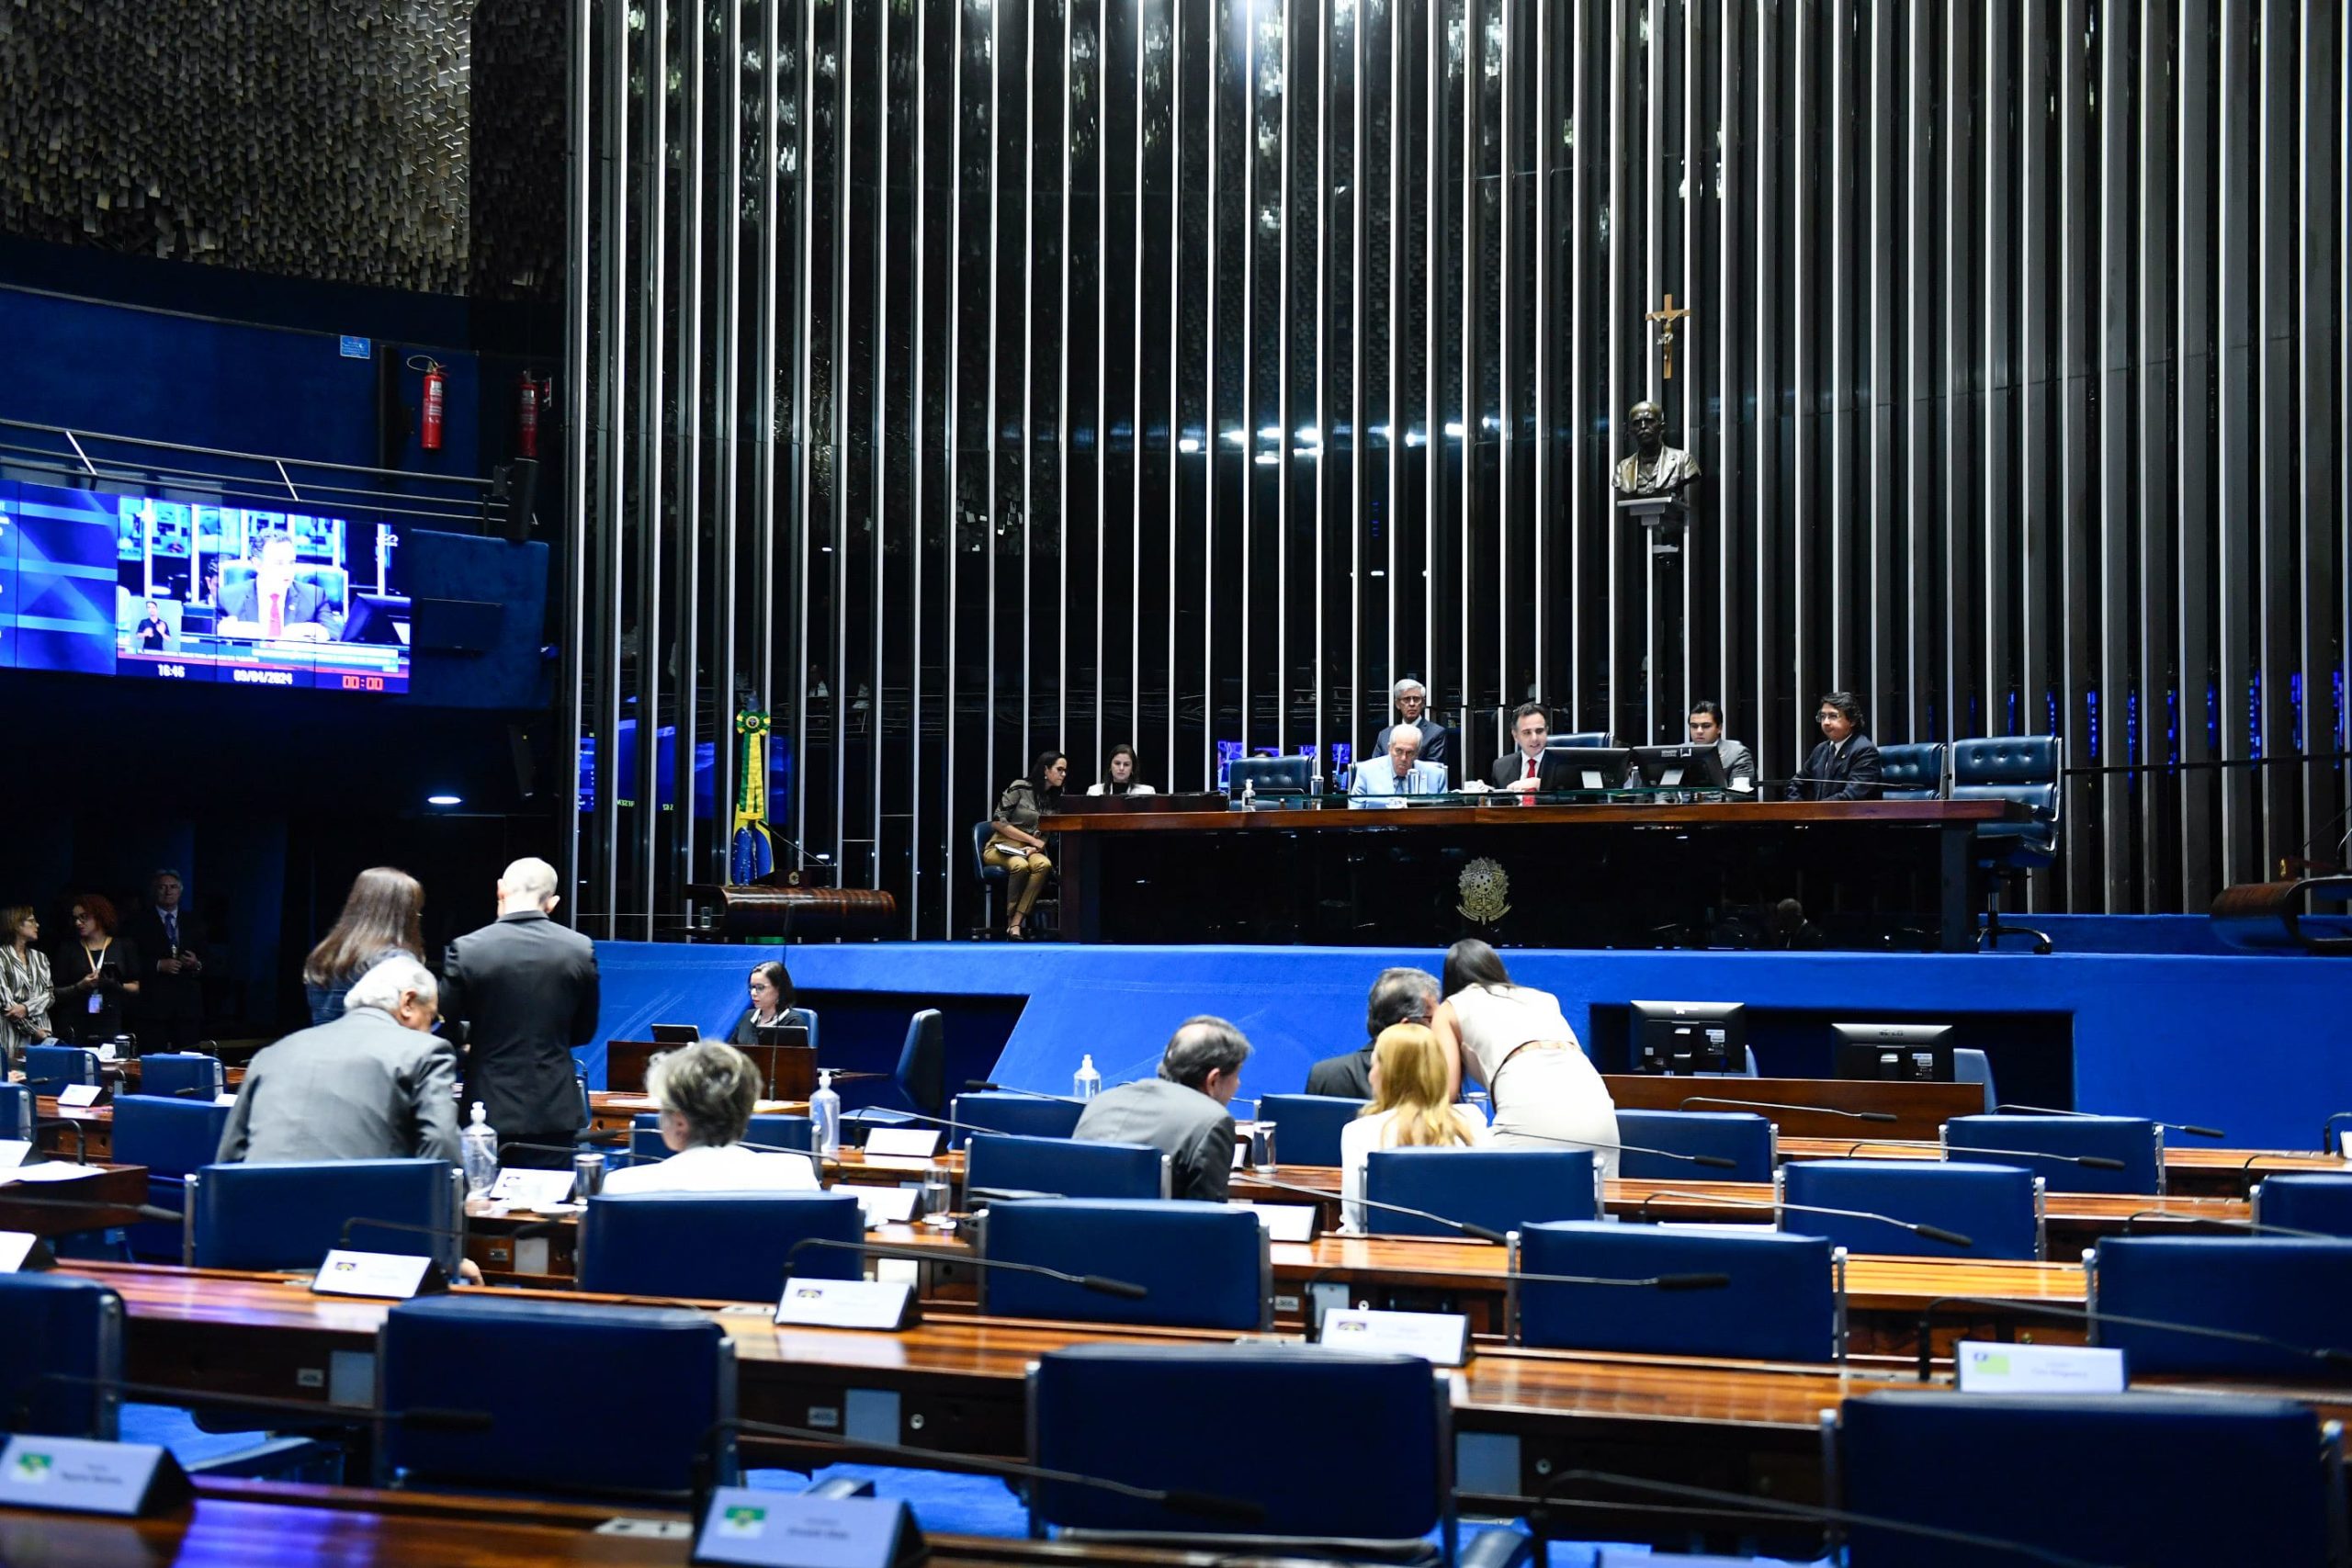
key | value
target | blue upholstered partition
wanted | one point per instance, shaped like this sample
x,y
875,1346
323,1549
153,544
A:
x,y
2298,1293
1782,1304
1204,1265
1743,1137
17,1108
2157,1481
715,1246
289,1216
2139,1145
536,1368
2306,1202
47,1067
171,1138
52,1324
1064,1167
1023,1116
1500,1189
1307,1126
188,1075
1997,1207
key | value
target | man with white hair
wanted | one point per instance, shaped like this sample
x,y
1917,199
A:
x,y
1437,742
373,1084
526,990
1399,771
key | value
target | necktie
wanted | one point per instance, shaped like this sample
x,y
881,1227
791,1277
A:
x,y
172,928
274,623
1531,769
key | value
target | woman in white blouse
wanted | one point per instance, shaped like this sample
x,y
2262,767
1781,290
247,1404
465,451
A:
x,y
707,1092
1516,1040
1119,775
1410,1108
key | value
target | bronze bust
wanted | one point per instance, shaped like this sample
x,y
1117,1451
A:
x,y
1654,469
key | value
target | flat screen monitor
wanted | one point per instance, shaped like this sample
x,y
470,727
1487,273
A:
x,y
1590,767
1681,767
1689,1037
1916,1053
793,1036
675,1034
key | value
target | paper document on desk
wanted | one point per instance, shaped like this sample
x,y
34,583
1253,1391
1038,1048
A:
x,y
13,1152
49,1170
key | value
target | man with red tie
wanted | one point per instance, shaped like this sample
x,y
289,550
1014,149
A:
x,y
273,603
1530,768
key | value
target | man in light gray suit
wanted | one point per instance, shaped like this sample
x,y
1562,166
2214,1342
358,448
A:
x,y
1183,1113
373,1084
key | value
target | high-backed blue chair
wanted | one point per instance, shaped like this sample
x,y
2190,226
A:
x,y
1341,1447
2139,1144
729,1246
1307,1126
2026,768
2281,1288
530,1366
779,1131
1749,1141
923,1062
1969,1065
1921,770
17,1108
50,1323
1064,1168
1023,1116
1271,776
2305,1200
291,1215
186,1075
1580,740
171,1138
49,1067
1500,1189
991,878
1785,1302
1204,1265
1997,1207
2155,1480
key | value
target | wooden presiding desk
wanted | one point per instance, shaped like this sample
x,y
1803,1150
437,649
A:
x,y
1613,871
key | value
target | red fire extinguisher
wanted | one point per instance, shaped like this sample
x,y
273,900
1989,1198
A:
x,y
527,417
430,408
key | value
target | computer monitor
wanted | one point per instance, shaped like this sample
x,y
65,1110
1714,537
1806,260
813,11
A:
x,y
377,617
1689,1037
1681,767
1915,1053
1590,767
675,1034
795,1035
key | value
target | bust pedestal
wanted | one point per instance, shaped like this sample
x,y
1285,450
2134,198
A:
x,y
1663,519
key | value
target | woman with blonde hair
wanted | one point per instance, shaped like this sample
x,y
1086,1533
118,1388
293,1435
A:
x,y
1410,1108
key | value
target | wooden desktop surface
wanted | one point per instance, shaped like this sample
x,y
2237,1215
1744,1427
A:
x,y
1503,809
27,1205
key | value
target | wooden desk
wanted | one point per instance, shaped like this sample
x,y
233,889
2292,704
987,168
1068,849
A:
x,y
24,1206
95,1121
616,1111
1593,874
786,1072
1920,1109
2200,1172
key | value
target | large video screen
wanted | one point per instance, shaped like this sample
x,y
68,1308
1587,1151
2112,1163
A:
x,y
115,584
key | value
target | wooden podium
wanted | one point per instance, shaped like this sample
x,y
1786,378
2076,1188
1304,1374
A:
x,y
786,1072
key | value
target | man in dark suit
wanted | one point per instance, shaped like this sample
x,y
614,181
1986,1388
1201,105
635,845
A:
x,y
1845,766
526,990
1399,996
279,602
1530,767
170,945
1437,743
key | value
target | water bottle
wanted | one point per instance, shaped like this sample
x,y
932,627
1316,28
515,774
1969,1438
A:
x,y
825,1118
1249,795
481,1146
1087,1083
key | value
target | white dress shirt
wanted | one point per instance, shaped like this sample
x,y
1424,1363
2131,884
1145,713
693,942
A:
x,y
717,1168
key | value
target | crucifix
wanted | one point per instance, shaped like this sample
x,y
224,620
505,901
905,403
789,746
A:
x,y
1666,339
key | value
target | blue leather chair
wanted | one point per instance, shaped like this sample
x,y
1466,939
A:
x,y
1307,1126
1500,1189
528,1366
1997,1207
1271,776
50,1323
2023,768
1340,1445
1206,1266
2155,1480
2306,1202
727,1247
1975,1066
1750,1140
781,1131
291,1215
1918,771
1785,1302
2284,1288
16,1108
1581,739
187,1075
171,1138
2139,1145
1023,1116
923,1062
991,879
48,1067
1064,1168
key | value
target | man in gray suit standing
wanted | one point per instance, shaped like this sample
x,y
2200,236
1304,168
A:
x,y
1183,1113
373,1084
526,989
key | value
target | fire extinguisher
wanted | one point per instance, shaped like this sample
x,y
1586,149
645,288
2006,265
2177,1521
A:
x,y
430,408
527,417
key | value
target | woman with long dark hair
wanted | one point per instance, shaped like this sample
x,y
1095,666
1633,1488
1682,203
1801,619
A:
x,y
1014,843
1515,1040
383,915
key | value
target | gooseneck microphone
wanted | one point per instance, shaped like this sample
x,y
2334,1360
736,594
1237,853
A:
x,y
983,1085
1124,1289
1783,1105
2089,1162
2191,1128
2328,1354
419,1417
1917,1227
1478,1232
1712,1162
